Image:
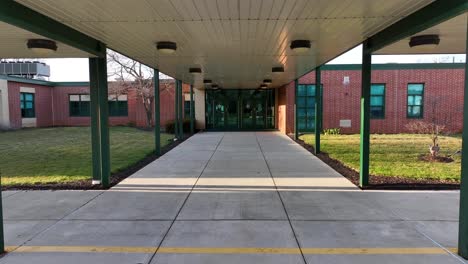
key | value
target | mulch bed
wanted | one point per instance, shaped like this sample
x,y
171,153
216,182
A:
x,y
377,182
87,185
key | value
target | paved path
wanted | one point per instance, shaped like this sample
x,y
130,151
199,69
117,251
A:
x,y
232,198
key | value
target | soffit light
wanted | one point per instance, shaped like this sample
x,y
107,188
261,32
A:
x,y
195,70
214,86
279,69
166,47
207,81
424,40
267,81
42,47
300,45
263,86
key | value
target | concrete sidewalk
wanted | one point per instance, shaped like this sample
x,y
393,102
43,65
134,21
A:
x,y
234,197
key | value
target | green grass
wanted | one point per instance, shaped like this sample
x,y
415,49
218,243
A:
x,y
394,155
53,155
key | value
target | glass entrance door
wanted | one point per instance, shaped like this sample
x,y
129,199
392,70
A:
x,y
240,109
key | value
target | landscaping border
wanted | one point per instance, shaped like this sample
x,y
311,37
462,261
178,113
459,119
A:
x,y
115,178
377,182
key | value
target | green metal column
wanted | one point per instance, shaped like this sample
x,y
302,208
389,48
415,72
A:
x,y
181,111
192,111
2,239
463,218
318,109
157,112
99,120
95,137
365,115
176,118
104,122
296,125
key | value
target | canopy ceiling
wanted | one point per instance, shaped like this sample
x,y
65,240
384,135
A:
x,y
452,34
235,42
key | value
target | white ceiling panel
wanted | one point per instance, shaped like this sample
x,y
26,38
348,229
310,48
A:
x,y
14,45
236,42
452,34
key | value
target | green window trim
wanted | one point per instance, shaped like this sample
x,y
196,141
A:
x,y
305,106
118,105
415,100
27,105
79,105
187,109
377,101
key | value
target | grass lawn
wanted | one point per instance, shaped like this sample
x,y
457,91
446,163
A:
x,y
63,154
394,155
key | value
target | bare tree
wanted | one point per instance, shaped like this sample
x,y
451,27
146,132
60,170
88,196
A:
x,y
132,75
437,125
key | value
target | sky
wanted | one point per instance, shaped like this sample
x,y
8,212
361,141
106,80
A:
x,y
76,70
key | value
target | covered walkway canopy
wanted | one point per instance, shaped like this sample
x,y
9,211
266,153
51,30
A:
x,y
235,44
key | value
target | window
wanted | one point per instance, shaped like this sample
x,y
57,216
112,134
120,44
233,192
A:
x,y
377,101
306,107
187,109
415,101
118,105
79,104
27,105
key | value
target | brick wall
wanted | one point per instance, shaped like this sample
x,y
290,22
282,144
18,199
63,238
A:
x,y
443,98
52,105
43,106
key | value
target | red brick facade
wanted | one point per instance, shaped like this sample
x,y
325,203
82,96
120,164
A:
x,y
443,99
443,96
52,104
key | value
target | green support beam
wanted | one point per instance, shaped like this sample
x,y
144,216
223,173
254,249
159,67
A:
x,y
463,218
99,120
365,116
192,112
181,112
157,114
296,125
318,109
176,110
23,17
428,16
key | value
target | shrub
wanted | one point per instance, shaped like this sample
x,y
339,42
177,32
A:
x,y
332,131
170,126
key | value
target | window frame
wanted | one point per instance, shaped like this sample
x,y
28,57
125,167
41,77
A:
x,y
116,100
421,116
23,100
384,97
80,103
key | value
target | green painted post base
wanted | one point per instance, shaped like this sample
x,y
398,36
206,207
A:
x,y
365,116
296,125
192,112
99,121
157,114
318,109
463,218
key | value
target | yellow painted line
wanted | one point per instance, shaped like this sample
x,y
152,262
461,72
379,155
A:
x,y
233,250
374,251
84,249
177,250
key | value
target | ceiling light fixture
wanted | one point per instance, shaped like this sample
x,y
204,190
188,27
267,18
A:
x,y
207,81
267,81
278,69
300,45
214,86
263,86
195,70
166,47
424,40
43,47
